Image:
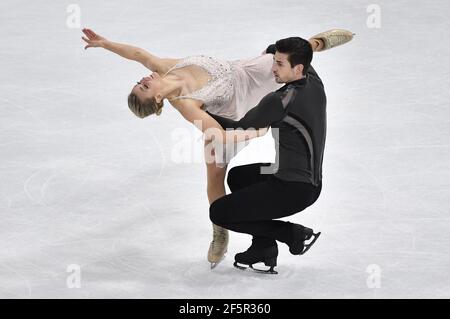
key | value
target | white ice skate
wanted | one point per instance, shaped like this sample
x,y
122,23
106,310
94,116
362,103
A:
x,y
333,38
218,247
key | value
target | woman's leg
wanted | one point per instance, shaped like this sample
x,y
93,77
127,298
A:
x,y
215,182
324,40
316,44
215,189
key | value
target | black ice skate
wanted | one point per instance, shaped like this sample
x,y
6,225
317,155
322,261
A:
x,y
303,239
257,254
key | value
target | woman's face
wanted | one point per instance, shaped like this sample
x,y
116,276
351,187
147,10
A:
x,y
148,87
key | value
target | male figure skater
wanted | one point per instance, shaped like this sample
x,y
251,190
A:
x,y
297,115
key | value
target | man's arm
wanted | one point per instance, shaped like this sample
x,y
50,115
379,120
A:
x,y
191,111
268,111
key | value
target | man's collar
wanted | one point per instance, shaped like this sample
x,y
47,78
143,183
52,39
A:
x,y
299,81
294,83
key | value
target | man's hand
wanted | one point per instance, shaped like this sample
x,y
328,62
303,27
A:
x,y
93,40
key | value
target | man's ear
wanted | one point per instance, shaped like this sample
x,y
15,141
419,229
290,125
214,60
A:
x,y
298,69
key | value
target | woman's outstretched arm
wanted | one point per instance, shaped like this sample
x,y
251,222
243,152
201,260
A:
x,y
129,52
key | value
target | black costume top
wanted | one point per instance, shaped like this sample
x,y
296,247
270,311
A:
x,y
298,111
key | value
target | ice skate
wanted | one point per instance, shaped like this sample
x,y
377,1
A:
x,y
258,253
218,246
333,38
303,239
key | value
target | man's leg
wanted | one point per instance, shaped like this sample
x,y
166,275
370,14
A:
x,y
240,177
252,209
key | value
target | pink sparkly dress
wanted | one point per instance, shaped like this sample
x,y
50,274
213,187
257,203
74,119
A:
x,y
233,89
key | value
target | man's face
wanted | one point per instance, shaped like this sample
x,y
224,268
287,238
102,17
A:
x,y
282,69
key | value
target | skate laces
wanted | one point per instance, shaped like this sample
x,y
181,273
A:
x,y
219,238
335,39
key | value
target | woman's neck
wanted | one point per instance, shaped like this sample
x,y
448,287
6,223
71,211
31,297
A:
x,y
172,86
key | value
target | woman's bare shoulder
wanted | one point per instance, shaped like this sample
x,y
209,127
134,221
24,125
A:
x,y
166,64
186,103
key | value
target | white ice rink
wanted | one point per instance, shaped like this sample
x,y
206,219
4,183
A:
x,y
85,182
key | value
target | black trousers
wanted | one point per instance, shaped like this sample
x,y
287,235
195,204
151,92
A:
x,y
257,199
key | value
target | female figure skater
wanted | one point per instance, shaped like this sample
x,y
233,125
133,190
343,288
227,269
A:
x,y
224,88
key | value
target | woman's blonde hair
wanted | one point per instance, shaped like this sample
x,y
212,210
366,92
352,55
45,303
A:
x,y
146,108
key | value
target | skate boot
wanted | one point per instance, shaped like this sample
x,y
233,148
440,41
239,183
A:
x,y
265,251
218,246
302,239
333,38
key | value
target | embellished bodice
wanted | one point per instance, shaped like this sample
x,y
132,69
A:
x,y
218,92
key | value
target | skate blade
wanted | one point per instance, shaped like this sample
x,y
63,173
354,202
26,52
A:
x,y
308,246
270,271
214,265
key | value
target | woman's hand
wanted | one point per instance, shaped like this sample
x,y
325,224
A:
x,y
239,135
93,40
262,131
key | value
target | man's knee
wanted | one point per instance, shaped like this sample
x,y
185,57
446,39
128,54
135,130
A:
x,y
218,211
233,179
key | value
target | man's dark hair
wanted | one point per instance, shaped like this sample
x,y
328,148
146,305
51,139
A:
x,y
299,51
